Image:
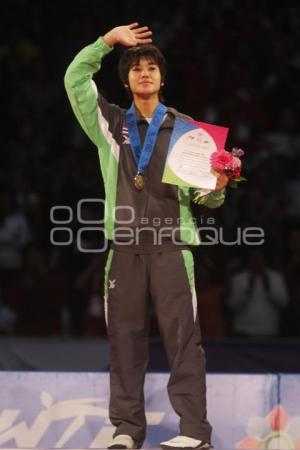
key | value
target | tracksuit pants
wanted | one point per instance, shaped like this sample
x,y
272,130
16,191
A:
x,y
132,281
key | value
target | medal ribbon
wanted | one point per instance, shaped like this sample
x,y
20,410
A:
x,y
142,155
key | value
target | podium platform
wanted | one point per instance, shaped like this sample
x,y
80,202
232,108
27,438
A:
x,y
70,410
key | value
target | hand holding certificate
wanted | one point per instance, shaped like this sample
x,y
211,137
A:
x,y
189,157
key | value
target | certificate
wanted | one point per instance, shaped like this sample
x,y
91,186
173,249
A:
x,y
188,160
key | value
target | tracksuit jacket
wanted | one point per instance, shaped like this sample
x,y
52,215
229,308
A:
x,y
105,125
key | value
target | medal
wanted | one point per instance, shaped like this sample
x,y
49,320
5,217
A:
x,y
139,181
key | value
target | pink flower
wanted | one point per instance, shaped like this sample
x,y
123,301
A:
x,y
236,167
221,160
236,162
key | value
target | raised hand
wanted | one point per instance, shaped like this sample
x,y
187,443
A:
x,y
128,35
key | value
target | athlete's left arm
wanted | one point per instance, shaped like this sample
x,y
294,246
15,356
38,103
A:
x,y
215,198
212,200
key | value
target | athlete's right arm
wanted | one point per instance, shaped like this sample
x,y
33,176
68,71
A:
x,y
81,89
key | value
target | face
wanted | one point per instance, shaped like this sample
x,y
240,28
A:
x,y
144,78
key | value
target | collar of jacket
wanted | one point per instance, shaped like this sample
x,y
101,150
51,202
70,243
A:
x,y
168,121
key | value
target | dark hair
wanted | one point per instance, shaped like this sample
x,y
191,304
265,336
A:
x,y
132,55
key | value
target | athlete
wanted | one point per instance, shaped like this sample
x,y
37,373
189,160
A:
x,y
151,228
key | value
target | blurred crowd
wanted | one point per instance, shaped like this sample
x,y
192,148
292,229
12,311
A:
x,y
231,63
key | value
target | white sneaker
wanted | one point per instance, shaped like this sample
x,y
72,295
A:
x,y
122,441
185,442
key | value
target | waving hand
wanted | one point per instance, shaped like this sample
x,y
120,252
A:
x,y
128,35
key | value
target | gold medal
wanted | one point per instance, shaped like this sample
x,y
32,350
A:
x,y
139,181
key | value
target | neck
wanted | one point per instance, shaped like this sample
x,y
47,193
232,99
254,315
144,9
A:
x,y
146,106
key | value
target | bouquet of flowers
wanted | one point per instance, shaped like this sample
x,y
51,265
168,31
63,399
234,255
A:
x,y
225,162
229,163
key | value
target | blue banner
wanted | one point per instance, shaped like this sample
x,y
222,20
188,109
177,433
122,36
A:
x,y
70,410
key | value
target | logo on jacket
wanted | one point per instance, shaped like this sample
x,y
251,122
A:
x,y
125,135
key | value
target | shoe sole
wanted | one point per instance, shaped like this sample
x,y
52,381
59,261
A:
x,y
120,446
117,446
200,447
